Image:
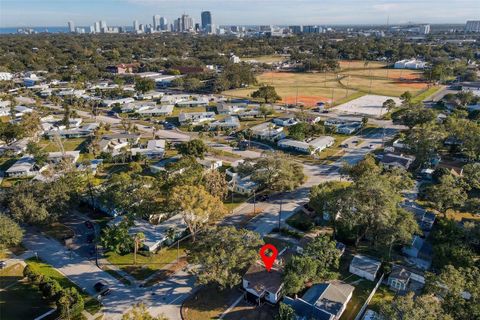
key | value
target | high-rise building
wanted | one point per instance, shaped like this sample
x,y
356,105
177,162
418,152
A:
x,y
71,26
424,29
136,27
103,26
156,22
97,26
187,23
163,23
472,26
206,19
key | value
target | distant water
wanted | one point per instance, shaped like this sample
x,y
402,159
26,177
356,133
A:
x,y
37,29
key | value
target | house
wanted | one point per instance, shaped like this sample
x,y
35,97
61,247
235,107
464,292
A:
x,y
155,235
324,301
21,110
196,117
111,102
158,111
400,144
249,114
267,131
210,163
113,143
92,165
262,286
364,267
53,123
155,149
123,68
344,127
163,164
31,79
230,122
224,108
315,145
24,167
81,132
151,95
238,184
420,252
57,157
16,147
399,278
391,160
285,121
425,219
199,102
136,107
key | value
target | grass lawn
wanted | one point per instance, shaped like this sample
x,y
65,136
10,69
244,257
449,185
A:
x,y
245,311
362,290
273,58
91,304
425,94
383,294
208,303
68,144
146,266
21,300
353,80
238,199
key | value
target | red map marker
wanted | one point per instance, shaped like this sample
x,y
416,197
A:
x,y
268,260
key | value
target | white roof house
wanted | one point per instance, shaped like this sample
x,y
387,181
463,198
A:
x,y
163,110
210,163
136,107
56,157
110,102
364,267
23,167
21,110
199,102
155,149
410,64
155,235
196,117
230,122
268,131
224,108
311,147
285,121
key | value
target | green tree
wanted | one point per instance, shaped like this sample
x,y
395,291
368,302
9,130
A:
x,y
197,206
424,307
471,175
117,239
144,84
37,152
298,131
278,173
10,232
215,183
285,312
267,93
265,111
138,240
406,98
389,104
447,194
223,253
195,148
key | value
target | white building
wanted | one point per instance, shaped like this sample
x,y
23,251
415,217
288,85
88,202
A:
x,y
23,167
231,122
111,102
311,147
285,121
57,157
5,76
196,117
364,267
268,131
155,149
413,64
157,111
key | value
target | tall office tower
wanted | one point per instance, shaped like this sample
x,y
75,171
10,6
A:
x,y
97,26
206,19
186,23
91,29
156,22
424,29
177,25
71,26
472,26
135,25
163,23
103,26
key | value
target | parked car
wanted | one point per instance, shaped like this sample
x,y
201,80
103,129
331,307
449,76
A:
x,y
3,264
344,145
371,146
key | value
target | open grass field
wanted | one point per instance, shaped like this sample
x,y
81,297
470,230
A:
x,y
19,299
146,266
265,59
68,144
354,79
91,304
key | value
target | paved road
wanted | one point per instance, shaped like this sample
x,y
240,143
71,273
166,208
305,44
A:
x,y
168,297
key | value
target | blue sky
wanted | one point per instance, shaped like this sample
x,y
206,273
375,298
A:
x,y
323,12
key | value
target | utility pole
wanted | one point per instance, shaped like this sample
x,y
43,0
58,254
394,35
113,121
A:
x,y
280,216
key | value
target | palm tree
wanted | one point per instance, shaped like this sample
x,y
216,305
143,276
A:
x,y
137,241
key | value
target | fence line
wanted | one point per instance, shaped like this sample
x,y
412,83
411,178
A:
x,y
365,305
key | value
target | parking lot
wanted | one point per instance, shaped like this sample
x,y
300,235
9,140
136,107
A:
x,y
369,105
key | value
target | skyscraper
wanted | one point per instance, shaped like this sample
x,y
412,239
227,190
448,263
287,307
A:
x,y
136,27
156,22
97,26
206,19
103,26
71,26
163,23
186,23
472,26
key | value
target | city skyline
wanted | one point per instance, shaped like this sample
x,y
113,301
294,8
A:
x,y
246,12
